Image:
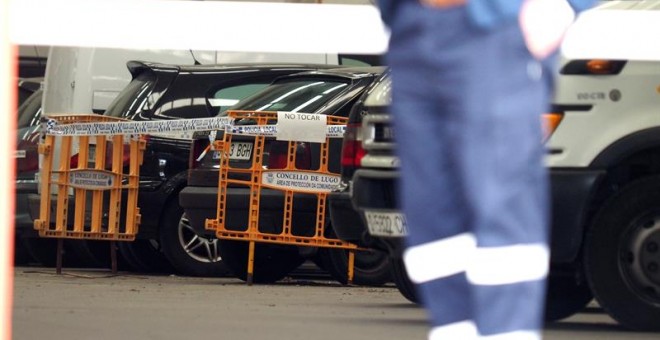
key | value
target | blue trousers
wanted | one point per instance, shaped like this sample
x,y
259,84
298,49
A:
x,y
467,107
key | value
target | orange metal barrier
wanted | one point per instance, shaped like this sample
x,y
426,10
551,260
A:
x,y
90,171
256,177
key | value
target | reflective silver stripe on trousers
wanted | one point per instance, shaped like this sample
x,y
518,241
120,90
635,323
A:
x,y
509,264
484,266
441,258
459,330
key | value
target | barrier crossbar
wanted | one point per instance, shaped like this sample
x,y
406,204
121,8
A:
x,y
91,173
265,126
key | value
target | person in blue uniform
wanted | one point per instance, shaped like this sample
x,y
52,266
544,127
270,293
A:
x,y
469,85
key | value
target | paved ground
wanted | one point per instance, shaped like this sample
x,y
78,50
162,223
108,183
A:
x,y
92,304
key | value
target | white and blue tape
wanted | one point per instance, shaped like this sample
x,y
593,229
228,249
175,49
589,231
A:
x,y
52,127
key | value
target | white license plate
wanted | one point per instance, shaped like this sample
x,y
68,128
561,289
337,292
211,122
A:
x,y
391,224
237,151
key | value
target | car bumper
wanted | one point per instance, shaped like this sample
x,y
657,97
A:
x,y
572,190
200,203
346,221
375,190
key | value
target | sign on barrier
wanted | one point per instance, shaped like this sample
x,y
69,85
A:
x,y
291,181
92,191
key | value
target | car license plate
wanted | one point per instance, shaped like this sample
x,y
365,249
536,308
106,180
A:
x,y
392,224
237,151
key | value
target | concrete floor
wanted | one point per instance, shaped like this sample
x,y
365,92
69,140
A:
x,y
92,304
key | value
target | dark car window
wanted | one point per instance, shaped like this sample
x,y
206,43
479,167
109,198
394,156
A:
x,y
294,95
133,99
30,111
227,97
221,99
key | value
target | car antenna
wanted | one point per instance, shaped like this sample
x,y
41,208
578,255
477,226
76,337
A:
x,y
193,56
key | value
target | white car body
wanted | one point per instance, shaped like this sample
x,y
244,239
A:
x,y
621,104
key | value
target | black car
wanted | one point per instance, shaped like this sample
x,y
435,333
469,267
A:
x,y
171,92
364,209
330,92
372,166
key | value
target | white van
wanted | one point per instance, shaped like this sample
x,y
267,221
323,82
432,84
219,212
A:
x,y
604,161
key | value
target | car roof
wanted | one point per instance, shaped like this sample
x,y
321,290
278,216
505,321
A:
x,y
136,66
354,72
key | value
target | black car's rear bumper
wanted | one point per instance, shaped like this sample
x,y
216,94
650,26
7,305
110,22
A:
x,y
200,203
572,190
346,221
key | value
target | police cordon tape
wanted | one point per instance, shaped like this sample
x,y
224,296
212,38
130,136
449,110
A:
x,y
52,127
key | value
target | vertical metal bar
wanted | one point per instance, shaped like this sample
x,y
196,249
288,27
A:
x,y
63,186
351,266
81,194
250,268
115,192
58,259
46,168
113,256
133,183
97,195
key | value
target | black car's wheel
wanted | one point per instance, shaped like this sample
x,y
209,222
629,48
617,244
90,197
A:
x,y
271,262
402,281
371,267
145,256
189,252
565,296
622,255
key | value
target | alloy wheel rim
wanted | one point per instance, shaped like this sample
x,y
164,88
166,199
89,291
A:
x,y
200,248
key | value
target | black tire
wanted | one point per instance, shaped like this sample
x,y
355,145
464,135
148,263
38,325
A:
x,y
565,296
371,267
622,255
144,256
271,262
402,281
189,253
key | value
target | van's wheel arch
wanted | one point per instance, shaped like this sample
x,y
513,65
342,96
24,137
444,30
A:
x,y
622,258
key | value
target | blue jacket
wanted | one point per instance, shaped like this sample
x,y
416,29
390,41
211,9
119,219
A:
x,y
483,13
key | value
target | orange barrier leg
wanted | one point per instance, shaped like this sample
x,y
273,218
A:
x,y
351,266
58,260
250,268
113,256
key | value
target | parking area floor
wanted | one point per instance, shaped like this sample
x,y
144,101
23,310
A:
x,y
96,305
93,304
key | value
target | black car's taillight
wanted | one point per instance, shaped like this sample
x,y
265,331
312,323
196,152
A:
x,y
29,161
74,161
198,149
278,154
352,151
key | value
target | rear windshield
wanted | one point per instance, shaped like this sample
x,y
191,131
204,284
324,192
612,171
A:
x,y
294,95
133,99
